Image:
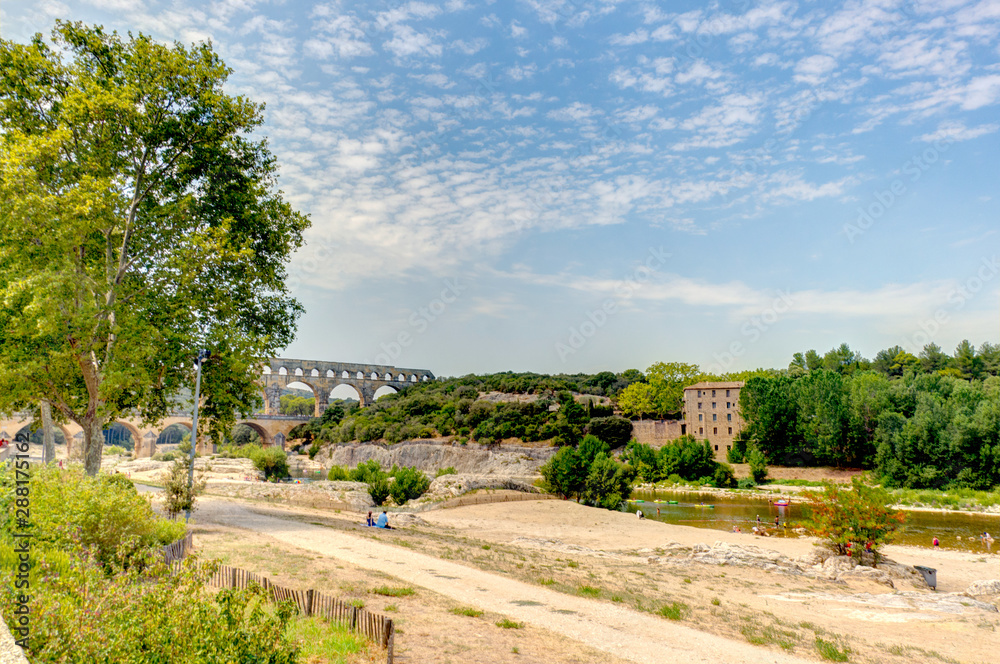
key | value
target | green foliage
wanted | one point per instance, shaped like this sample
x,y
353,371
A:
x,y
674,611
564,474
450,470
507,623
148,617
408,483
467,611
724,478
615,431
177,495
854,516
828,650
338,474
295,405
105,514
140,224
609,483
758,464
272,461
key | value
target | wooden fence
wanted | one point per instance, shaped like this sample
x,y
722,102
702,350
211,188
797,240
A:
x,y
179,549
375,626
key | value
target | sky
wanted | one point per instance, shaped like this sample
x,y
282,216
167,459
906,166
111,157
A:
x,y
588,185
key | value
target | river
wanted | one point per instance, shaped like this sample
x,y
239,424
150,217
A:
x,y
953,529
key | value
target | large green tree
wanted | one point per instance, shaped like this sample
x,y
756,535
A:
x,y
140,223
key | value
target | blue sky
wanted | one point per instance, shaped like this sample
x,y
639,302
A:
x,y
581,185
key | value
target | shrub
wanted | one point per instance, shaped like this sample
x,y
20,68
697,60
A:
x,y
177,495
145,617
272,461
853,516
378,489
674,610
608,482
450,470
724,478
367,471
615,431
70,509
409,483
758,464
115,450
747,483
337,474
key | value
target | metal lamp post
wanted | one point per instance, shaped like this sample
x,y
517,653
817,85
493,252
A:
x,y
202,356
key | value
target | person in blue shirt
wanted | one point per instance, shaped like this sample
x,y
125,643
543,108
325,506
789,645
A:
x,y
383,521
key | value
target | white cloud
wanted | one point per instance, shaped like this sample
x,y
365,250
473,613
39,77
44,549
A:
x,y
408,42
957,131
813,70
640,36
726,123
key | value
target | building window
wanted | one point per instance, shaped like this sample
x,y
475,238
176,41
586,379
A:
x,y
727,393
699,405
699,417
713,404
713,393
729,417
727,405
716,448
715,429
730,431
699,393
729,447
715,418
701,429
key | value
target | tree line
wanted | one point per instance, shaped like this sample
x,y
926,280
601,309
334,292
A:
x,y
931,421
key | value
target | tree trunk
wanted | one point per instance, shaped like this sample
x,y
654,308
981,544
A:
x,y
48,437
93,445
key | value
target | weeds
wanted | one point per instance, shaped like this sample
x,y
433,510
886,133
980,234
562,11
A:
x,y
828,650
393,592
507,623
466,611
674,611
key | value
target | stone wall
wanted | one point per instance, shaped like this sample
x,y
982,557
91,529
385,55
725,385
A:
x,y
657,432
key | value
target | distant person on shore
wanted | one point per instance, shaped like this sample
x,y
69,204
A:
x,y
383,521
371,521
638,513
936,543
987,541
776,523
736,529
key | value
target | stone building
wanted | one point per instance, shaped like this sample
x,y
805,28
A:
x,y
711,412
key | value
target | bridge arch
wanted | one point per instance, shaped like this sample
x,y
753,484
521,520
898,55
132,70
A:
x,y
384,390
265,438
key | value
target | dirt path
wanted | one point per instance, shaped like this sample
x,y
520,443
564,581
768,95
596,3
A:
x,y
623,632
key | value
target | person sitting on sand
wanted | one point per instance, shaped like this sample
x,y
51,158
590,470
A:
x,y
371,521
756,530
383,521
936,542
736,529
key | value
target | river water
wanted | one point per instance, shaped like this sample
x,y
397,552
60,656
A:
x,y
953,530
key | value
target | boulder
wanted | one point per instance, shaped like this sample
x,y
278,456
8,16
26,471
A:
x,y
983,589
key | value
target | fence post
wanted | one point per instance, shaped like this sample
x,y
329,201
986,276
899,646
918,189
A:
x,y
309,602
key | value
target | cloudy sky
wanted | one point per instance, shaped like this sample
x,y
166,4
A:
x,y
581,185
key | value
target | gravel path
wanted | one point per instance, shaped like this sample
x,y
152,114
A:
x,y
631,635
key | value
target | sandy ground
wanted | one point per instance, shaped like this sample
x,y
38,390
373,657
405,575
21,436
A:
x,y
585,583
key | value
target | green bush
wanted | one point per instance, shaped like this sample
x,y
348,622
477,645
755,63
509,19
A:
x,y
758,464
746,483
615,431
409,483
104,513
338,474
724,478
272,461
450,470
378,489
135,617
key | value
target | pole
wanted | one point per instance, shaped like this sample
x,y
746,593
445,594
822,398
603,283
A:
x,y
202,356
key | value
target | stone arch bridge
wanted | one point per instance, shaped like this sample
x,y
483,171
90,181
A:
x,y
272,427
